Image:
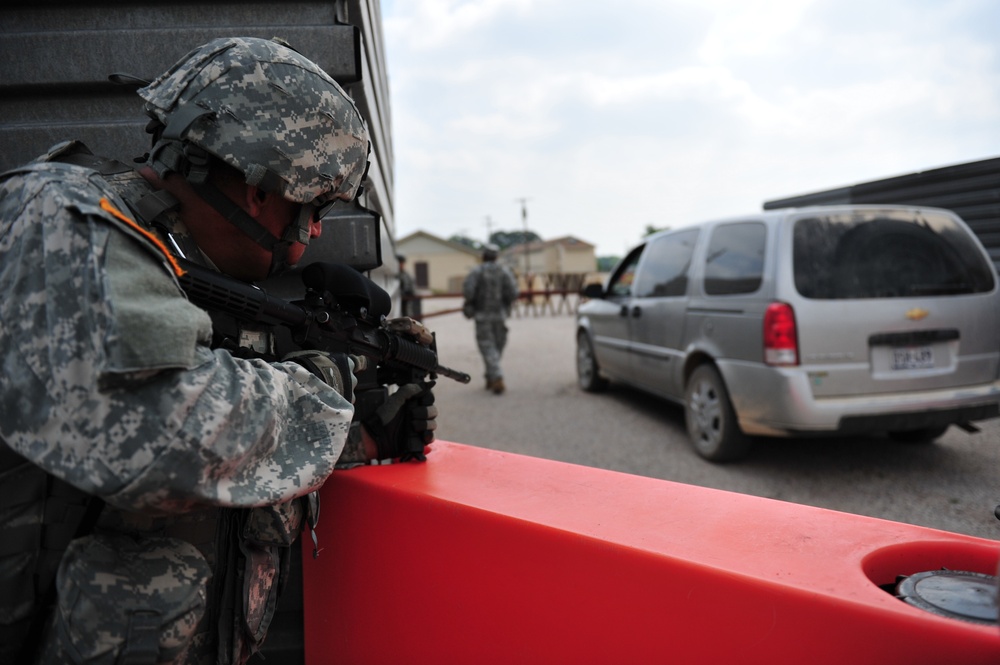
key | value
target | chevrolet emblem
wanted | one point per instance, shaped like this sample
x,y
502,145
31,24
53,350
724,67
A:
x,y
916,314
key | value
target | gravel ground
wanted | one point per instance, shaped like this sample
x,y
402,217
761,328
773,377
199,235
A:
x,y
950,485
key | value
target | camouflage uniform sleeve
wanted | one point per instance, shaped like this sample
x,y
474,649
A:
x,y
108,382
470,283
406,284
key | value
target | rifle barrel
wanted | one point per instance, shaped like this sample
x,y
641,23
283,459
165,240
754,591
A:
x,y
461,377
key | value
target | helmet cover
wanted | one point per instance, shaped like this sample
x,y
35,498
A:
x,y
274,115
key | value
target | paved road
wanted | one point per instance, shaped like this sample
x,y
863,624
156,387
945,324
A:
x,y
953,484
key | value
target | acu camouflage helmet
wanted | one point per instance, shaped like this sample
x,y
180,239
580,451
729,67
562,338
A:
x,y
269,112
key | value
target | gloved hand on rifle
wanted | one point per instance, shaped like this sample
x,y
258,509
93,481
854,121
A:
x,y
413,328
337,370
399,428
404,423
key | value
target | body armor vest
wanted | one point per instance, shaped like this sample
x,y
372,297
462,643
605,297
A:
x,y
41,516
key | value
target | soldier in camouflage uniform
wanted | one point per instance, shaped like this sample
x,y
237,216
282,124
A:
x,y
408,291
489,291
152,484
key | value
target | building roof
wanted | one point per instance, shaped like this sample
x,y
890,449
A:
x,y
568,242
449,244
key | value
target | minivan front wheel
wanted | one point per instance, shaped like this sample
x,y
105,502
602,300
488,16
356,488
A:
x,y
711,421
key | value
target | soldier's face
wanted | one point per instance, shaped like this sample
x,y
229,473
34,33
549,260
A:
x,y
233,251
277,215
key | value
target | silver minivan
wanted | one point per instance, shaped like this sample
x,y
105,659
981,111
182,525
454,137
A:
x,y
798,322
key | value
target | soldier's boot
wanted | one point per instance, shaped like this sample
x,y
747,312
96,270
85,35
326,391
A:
x,y
498,386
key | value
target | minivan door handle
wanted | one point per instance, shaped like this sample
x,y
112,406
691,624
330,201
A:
x,y
636,311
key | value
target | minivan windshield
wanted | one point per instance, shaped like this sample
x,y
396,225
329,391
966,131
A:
x,y
886,254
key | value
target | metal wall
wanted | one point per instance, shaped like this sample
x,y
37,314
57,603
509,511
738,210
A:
x,y
971,190
58,55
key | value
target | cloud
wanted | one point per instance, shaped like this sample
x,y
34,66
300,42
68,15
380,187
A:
x,y
612,117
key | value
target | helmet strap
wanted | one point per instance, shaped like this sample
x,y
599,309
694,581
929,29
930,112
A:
x,y
166,157
235,215
297,231
172,155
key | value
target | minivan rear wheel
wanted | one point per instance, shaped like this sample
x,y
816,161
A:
x,y
711,420
587,373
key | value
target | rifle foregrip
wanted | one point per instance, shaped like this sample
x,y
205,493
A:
x,y
410,353
425,358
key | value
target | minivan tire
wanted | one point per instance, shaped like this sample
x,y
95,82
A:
x,y
588,374
711,420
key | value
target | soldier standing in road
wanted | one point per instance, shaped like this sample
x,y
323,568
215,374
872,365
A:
x,y
489,291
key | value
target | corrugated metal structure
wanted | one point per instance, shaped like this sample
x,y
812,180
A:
x,y
57,56
971,190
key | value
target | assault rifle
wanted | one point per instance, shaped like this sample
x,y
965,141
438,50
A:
x,y
342,312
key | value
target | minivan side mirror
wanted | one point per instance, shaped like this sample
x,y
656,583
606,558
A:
x,y
593,291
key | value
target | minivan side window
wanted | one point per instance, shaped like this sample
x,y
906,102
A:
x,y
735,260
665,267
621,280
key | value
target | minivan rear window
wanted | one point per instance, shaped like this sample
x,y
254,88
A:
x,y
886,254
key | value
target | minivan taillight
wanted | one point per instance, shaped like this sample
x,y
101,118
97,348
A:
x,y
781,341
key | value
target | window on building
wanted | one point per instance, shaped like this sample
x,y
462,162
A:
x,y
421,274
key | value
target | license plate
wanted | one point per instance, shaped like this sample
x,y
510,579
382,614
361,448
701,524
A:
x,y
918,357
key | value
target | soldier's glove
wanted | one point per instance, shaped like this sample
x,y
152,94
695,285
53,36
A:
x,y
405,422
337,370
407,326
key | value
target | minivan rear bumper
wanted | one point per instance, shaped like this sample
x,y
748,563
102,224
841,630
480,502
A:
x,y
772,401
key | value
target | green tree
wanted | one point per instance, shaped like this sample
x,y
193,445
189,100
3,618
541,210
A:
x,y
607,263
468,242
650,229
505,239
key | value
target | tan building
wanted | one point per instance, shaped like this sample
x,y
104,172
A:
x,y
437,265
565,255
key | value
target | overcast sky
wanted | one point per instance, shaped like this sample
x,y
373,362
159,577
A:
x,y
612,116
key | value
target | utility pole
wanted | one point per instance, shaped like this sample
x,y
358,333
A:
x,y
489,228
524,220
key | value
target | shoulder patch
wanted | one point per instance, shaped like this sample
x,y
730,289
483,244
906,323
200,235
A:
x,y
109,208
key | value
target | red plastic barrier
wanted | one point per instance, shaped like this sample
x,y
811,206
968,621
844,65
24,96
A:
x,y
479,556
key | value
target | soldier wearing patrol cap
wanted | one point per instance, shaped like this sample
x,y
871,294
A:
x,y
152,484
